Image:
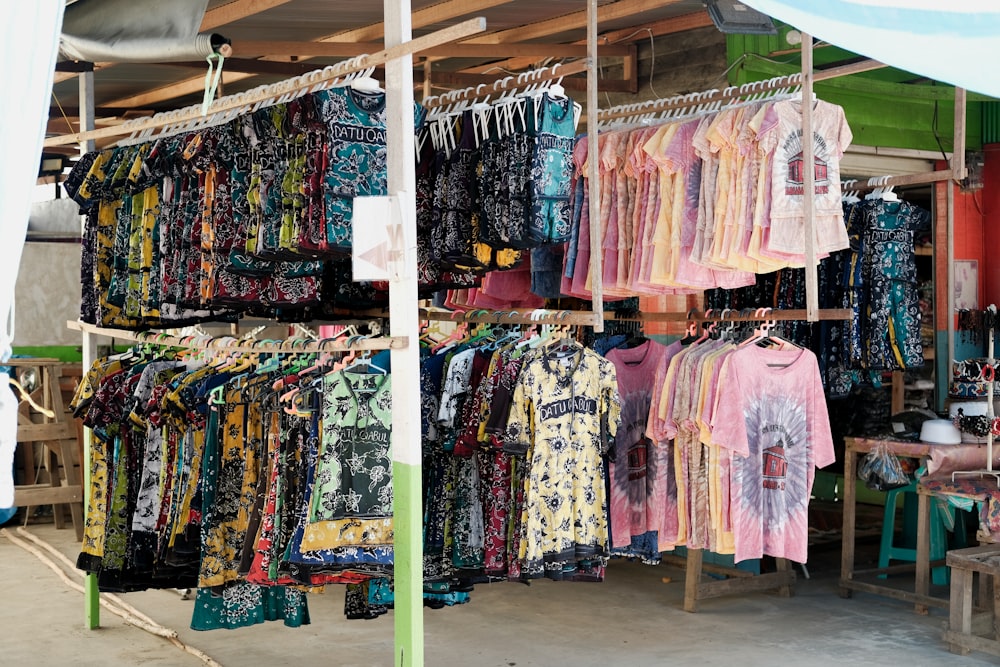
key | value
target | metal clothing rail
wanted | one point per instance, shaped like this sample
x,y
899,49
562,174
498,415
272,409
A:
x,y
232,344
289,88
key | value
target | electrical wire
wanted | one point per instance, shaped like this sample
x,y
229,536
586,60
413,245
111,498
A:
x,y
65,117
112,603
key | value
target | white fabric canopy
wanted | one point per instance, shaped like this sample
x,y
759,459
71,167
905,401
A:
x,y
954,41
29,40
135,31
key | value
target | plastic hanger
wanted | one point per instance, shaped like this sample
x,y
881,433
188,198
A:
x,y
366,84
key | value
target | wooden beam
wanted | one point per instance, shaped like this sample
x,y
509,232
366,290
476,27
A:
x,y
246,49
636,33
236,10
572,21
441,12
251,66
74,112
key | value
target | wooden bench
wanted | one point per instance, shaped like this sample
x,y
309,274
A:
x,y
964,564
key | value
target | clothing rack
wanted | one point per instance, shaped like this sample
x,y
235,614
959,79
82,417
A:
x,y
899,181
232,344
288,89
792,314
586,318
510,83
538,316
705,99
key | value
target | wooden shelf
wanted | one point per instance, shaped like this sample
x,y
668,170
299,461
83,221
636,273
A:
x,y
924,250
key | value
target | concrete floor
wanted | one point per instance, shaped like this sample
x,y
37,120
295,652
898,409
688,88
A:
x,y
633,618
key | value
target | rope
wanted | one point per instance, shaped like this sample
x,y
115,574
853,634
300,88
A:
x,y
112,603
211,83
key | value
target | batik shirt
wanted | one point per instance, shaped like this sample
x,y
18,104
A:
x,y
356,156
552,170
354,473
564,415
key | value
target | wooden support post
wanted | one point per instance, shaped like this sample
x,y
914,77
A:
x,y
593,176
923,575
91,599
630,69
403,301
960,614
692,578
809,180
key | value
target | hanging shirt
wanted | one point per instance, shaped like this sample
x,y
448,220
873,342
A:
x,y
356,156
564,417
831,137
552,170
773,416
353,490
634,460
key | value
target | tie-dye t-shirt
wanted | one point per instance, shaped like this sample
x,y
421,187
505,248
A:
x,y
771,412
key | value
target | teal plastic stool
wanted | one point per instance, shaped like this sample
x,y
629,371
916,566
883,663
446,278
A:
x,y
888,550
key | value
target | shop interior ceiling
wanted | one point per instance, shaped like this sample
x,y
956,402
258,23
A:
x,y
276,39
273,40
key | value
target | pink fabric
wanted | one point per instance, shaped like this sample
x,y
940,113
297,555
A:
x,y
633,471
774,417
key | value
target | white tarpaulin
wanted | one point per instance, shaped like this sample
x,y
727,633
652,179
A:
x,y
954,41
135,31
27,62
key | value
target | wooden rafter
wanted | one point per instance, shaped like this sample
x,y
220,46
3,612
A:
x,y
441,12
572,21
246,49
213,18
656,29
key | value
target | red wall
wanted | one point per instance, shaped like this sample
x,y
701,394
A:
x,y
988,201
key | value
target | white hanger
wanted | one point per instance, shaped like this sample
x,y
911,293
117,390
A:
x,y
366,84
888,194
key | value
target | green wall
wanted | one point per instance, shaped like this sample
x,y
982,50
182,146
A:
x,y
880,108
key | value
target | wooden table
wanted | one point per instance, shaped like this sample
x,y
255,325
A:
x,y
848,582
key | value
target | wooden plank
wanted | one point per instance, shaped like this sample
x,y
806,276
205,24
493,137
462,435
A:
x,y
981,644
755,584
923,575
711,568
25,496
894,593
43,432
236,10
575,20
849,521
247,49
